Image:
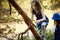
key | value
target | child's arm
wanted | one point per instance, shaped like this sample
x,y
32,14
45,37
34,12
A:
x,y
32,16
43,15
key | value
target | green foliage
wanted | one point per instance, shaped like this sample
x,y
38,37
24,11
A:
x,y
49,35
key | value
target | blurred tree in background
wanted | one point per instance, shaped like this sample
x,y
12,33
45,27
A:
x,y
50,4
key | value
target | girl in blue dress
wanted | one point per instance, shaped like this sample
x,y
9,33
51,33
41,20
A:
x,y
56,18
41,18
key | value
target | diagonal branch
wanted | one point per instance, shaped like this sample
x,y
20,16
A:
x,y
26,19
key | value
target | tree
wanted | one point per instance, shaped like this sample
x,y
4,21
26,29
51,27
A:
x,y
50,4
26,19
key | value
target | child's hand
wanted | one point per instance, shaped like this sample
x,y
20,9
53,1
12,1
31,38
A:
x,y
38,21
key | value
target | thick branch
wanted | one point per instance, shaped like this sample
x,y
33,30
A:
x,y
26,19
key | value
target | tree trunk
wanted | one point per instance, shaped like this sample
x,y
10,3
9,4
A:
x,y
26,19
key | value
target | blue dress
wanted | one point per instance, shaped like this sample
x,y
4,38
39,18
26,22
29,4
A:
x,y
39,16
57,33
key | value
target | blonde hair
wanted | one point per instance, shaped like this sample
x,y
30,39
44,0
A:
x,y
55,22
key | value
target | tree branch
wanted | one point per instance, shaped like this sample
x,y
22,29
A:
x,y
26,19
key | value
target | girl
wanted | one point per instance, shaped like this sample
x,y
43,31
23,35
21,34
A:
x,y
56,18
41,18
